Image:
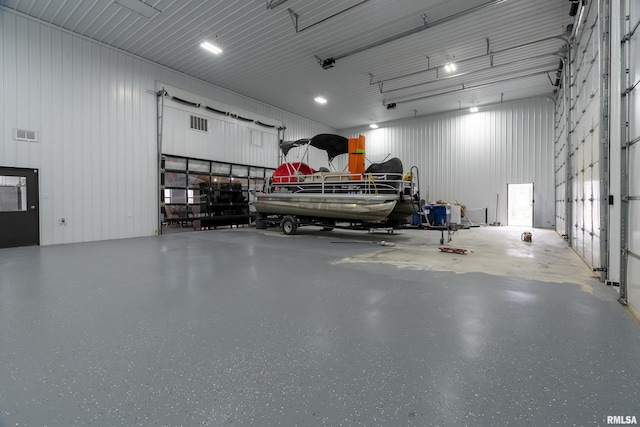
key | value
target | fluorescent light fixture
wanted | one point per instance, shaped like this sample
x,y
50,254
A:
x,y
320,100
450,67
577,27
373,126
473,109
139,7
211,48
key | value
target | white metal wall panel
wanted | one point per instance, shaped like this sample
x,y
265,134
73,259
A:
x,y
95,112
224,141
472,157
633,153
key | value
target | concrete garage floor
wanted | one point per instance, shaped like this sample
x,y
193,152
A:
x,y
247,327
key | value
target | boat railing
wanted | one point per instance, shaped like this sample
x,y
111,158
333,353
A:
x,y
340,182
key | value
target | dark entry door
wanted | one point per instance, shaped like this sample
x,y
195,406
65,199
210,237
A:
x,y
19,210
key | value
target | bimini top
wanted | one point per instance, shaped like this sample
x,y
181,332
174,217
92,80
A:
x,y
334,145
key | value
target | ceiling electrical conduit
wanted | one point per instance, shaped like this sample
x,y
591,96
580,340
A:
x,y
554,54
473,58
427,24
464,87
294,17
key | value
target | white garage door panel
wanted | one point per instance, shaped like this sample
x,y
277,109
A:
x,y
585,117
634,227
633,266
634,172
632,49
633,285
596,249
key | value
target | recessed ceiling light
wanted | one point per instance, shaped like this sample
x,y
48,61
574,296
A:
x,y
473,109
211,48
450,67
320,100
373,126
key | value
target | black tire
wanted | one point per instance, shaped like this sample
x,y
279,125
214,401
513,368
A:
x,y
289,225
328,225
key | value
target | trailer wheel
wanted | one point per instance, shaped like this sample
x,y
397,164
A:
x,y
328,225
289,225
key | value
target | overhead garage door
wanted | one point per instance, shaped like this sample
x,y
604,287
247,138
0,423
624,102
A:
x,y
585,129
631,156
581,138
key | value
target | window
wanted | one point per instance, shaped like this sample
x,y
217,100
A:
x,y
175,179
198,166
175,163
256,172
220,168
175,196
13,193
214,193
240,171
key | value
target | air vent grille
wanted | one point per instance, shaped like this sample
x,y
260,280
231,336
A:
x,y
198,123
26,135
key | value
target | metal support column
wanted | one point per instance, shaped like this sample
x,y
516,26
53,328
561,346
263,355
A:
x,y
568,224
603,137
624,168
159,116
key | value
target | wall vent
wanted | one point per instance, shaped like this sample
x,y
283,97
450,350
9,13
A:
x,y
25,135
198,123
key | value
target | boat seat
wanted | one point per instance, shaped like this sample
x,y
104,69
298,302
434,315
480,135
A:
x,y
328,177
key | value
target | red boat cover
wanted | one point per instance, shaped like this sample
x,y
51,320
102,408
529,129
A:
x,y
286,171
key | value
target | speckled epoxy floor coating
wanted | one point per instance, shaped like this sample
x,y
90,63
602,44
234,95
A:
x,y
239,327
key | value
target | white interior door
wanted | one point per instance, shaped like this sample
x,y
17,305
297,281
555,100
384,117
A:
x,y
520,204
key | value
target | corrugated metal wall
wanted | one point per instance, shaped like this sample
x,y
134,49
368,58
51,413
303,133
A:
x,y
472,157
95,113
583,196
224,141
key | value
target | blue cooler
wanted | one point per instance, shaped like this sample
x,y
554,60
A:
x,y
415,218
441,215
428,214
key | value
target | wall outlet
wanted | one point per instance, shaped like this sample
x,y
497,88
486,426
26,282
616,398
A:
x,y
63,221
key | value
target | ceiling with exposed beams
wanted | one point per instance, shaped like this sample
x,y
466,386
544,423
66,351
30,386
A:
x,y
385,51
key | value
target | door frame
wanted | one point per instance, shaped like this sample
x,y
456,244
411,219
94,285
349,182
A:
x,y
532,202
13,223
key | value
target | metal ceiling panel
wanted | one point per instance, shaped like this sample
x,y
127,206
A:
x,y
267,59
